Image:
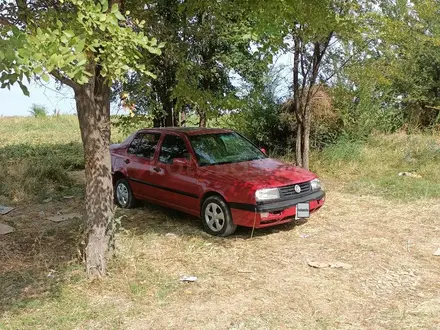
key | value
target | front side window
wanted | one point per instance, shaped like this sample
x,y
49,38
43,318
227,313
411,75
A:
x,y
135,143
144,145
172,147
223,148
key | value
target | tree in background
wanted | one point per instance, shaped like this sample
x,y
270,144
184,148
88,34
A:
x,y
207,44
410,36
316,33
393,80
86,45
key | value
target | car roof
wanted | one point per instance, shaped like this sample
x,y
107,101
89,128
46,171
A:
x,y
187,130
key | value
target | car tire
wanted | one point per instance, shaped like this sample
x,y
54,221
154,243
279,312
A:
x,y
123,195
216,217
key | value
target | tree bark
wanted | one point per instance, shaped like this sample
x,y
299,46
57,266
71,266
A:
x,y
202,119
296,101
298,150
306,138
93,107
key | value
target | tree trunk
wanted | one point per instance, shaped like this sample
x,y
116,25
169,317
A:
x,y
169,122
156,122
93,107
298,151
296,101
182,118
306,138
202,119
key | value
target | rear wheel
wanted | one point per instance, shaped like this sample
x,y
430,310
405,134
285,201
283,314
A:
x,y
123,194
216,217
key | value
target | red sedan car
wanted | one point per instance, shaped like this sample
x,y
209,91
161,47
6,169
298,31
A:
x,y
215,174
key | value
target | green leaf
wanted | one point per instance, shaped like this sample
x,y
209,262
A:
x,y
24,89
82,62
115,8
104,5
69,33
154,50
119,16
38,70
45,77
79,47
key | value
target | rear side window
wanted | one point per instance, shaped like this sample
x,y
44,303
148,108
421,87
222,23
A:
x,y
172,147
145,145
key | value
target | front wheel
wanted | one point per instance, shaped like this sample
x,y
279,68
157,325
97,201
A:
x,y
123,195
216,217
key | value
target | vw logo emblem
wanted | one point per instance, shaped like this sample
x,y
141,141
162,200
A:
x,y
297,189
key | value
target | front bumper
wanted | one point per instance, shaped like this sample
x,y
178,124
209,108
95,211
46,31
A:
x,y
275,213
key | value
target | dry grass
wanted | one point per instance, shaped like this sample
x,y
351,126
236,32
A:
x,y
259,283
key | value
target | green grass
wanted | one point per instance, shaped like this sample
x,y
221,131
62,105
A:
x,y
372,167
37,153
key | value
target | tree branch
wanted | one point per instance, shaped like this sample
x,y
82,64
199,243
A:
x,y
64,80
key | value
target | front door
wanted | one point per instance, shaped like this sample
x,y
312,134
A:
x,y
177,181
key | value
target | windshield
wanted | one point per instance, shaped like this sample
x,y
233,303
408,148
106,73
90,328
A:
x,y
223,148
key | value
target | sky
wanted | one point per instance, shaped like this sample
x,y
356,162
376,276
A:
x,y
14,103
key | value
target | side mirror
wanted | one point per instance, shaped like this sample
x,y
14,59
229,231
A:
x,y
263,151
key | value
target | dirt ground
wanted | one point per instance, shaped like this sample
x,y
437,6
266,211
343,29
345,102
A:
x,y
243,283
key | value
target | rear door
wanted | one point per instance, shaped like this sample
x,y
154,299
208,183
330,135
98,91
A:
x,y
179,187
140,163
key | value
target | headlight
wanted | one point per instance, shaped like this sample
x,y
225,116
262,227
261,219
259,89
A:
x,y
316,184
267,194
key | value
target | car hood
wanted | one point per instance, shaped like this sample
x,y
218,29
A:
x,y
260,173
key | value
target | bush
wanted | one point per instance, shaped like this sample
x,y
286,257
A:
x,y
38,111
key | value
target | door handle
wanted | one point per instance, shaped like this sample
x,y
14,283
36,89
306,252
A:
x,y
127,161
156,169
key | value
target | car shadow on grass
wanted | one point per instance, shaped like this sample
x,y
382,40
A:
x,y
148,218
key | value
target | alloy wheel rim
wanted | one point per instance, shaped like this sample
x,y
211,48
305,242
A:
x,y
214,217
122,194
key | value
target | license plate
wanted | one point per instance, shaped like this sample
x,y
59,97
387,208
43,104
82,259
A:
x,y
302,210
